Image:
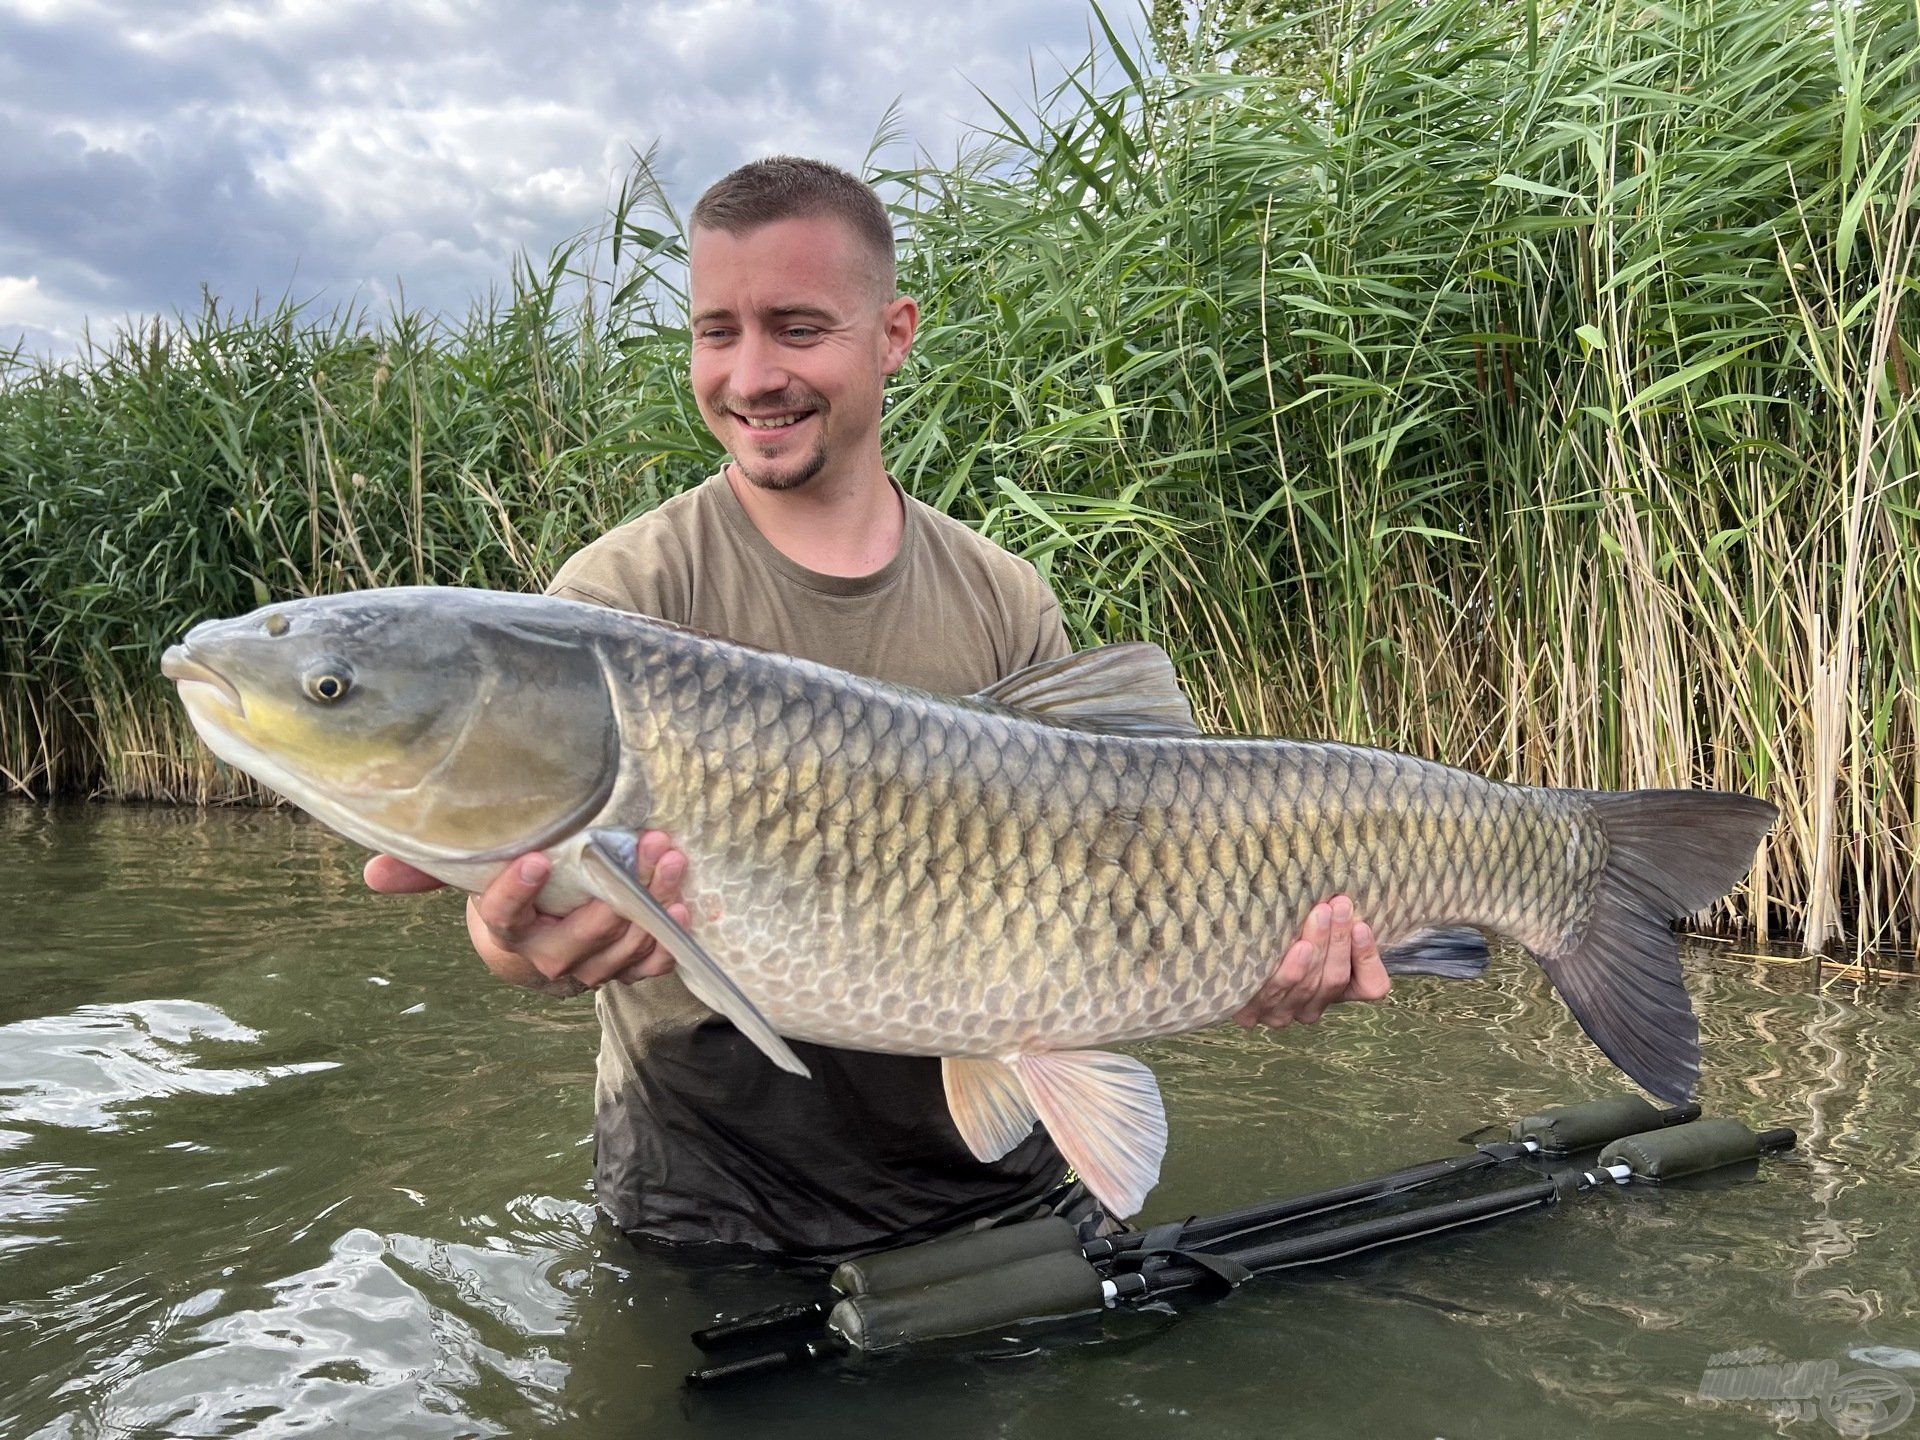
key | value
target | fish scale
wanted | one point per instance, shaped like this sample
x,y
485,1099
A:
x,y
1005,880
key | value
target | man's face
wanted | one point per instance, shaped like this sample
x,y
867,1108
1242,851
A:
x,y
792,344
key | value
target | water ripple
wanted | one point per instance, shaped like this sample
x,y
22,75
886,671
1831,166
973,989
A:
x,y
386,1334
82,1070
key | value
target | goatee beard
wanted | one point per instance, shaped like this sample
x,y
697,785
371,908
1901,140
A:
x,y
815,462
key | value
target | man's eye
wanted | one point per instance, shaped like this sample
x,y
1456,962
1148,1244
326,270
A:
x,y
801,332
713,334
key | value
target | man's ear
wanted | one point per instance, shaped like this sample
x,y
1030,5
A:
x,y
898,322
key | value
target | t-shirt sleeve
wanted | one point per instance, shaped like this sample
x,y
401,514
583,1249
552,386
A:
x,y
1049,633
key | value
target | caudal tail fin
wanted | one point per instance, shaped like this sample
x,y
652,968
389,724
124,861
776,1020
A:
x,y
1669,853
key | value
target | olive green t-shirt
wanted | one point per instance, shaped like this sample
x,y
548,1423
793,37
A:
x,y
698,1137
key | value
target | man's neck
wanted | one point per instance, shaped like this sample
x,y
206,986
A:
x,y
847,526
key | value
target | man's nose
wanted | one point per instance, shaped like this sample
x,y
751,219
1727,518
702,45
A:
x,y
758,366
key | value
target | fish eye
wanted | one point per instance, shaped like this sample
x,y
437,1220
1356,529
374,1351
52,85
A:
x,y
329,684
277,625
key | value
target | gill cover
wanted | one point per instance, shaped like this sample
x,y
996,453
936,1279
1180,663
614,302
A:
x,y
534,762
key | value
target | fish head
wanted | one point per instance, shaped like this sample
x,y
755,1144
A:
x,y
434,724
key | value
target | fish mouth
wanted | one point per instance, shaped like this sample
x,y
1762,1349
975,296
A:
x,y
184,670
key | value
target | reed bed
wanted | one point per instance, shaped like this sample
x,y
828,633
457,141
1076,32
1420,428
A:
x,y
1529,387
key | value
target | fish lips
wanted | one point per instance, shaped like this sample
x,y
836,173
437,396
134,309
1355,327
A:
x,y
179,665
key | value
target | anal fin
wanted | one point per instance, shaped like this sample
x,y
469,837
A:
x,y
1455,952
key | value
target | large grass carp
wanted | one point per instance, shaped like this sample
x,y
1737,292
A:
x,y
1007,880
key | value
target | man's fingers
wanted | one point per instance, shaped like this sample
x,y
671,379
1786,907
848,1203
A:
x,y
595,944
560,947
1294,990
1336,958
1337,969
1299,973
647,855
628,950
1278,999
635,956
395,877
648,962
655,959
591,928
667,876
506,906
1370,979
655,965
660,867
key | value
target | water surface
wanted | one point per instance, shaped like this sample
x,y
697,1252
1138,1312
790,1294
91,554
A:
x,y
277,1156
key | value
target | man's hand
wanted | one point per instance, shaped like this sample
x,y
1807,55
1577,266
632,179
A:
x,y
395,877
557,955
1334,959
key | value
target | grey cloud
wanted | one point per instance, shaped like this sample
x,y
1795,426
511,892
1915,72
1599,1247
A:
x,y
336,149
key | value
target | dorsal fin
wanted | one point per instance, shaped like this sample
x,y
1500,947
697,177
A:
x,y
1125,689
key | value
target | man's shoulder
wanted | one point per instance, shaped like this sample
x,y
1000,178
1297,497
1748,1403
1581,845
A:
x,y
959,544
1021,613
674,521
631,564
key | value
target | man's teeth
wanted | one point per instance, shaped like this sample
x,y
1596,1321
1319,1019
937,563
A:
x,y
770,423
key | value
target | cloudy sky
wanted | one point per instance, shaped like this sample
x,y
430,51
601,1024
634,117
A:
x,y
339,148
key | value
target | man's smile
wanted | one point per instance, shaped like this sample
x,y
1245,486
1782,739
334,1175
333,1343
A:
x,y
774,424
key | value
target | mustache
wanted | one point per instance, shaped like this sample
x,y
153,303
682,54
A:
x,y
789,399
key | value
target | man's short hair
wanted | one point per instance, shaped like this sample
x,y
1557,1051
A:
x,y
789,187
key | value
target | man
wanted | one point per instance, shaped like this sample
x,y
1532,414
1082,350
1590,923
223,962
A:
x,y
804,544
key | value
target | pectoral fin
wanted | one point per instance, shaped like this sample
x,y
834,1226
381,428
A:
x,y
608,860
1104,1112
989,1105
